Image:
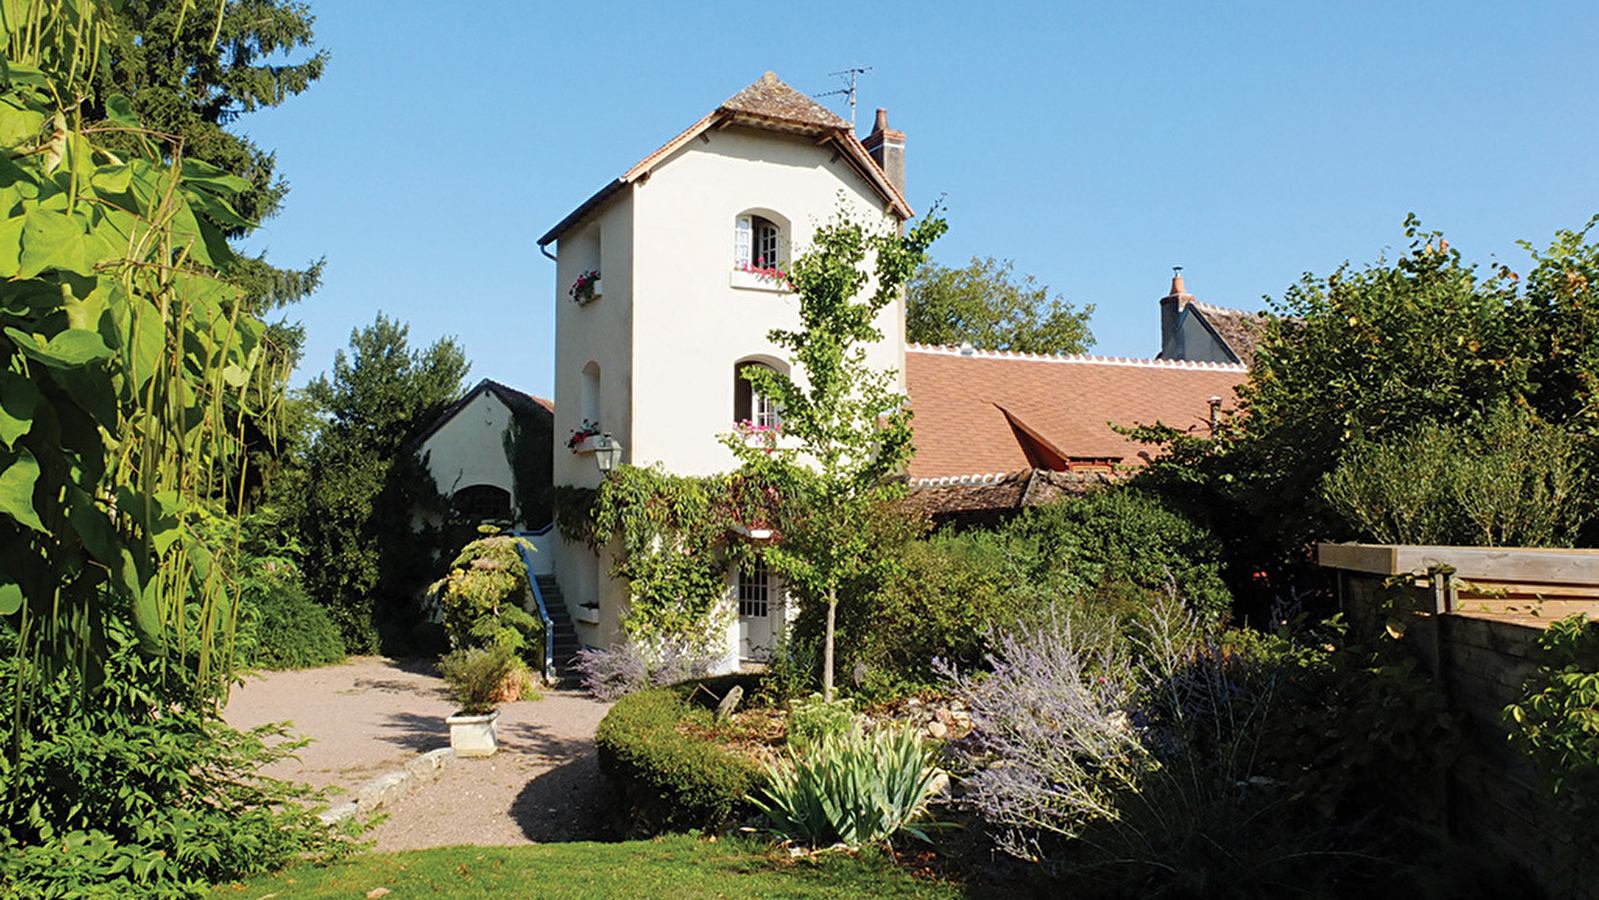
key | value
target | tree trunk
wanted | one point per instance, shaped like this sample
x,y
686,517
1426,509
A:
x,y
827,645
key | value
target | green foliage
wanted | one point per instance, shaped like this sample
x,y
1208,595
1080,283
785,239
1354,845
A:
x,y
278,627
291,631
851,788
125,366
1367,356
481,678
850,430
529,449
942,598
364,485
1556,724
670,537
982,305
189,72
1279,760
1125,547
482,596
1509,481
812,719
126,793
667,780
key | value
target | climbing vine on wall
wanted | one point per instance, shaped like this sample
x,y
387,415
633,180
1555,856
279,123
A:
x,y
677,536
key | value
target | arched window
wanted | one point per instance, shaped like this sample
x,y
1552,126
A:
x,y
483,502
589,399
749,405
759,242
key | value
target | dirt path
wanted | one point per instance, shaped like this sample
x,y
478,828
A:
x,y
369,715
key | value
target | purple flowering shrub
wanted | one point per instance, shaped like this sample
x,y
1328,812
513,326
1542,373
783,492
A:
x,y
621,669
1053,741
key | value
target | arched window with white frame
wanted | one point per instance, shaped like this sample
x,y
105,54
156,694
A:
x,y
760,241
750,405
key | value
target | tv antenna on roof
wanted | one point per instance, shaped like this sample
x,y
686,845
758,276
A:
x,y
853,73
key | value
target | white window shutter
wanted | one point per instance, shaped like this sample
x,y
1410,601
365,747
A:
x,y
741,242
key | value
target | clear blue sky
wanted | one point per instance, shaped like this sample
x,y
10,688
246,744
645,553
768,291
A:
x,y
1096,144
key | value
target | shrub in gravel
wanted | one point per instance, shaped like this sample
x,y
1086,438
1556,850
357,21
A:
x,y
667,780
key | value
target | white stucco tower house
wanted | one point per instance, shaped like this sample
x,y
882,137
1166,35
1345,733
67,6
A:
x,y
658,305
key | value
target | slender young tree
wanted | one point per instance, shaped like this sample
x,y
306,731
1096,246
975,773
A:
x,y
847,430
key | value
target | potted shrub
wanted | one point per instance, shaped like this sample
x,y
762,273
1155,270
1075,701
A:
x,y
480,680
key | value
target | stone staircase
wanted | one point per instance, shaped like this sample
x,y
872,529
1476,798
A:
x,y
566,644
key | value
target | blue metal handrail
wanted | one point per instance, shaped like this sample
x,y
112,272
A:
x,y
523,550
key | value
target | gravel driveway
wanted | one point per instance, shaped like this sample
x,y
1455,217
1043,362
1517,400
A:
x,y
369,715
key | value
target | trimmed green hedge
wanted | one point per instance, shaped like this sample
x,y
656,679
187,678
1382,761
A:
x,y
666,780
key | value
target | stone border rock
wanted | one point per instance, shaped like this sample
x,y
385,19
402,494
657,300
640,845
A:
x,y
391,786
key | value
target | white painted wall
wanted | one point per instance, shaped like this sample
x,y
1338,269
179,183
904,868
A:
x,y
469,448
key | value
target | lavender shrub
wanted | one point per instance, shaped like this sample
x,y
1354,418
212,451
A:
x,y
621,669
1053,743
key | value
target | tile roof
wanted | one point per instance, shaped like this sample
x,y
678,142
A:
x,y
770,105
1006,412
991,499
1240,331
770,98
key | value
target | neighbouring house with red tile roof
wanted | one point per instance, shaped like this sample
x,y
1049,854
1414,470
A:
x,y
999,431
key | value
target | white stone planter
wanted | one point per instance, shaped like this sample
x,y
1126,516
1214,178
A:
x,y
474,735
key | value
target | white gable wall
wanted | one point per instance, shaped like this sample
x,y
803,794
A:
x,y
467,449
690,325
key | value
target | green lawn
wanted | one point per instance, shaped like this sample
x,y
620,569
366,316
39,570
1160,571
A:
x,y
672,867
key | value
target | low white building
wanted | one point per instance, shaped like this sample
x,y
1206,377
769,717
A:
x,y
664,292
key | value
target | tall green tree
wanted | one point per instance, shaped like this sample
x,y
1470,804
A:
x,y
191,75
985,305
362,557
847,430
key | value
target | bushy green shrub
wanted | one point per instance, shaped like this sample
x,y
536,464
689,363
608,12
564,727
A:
x,y
482,596
1125,547
286,630
851,788
119,792
943,596
812,720
481,679
666,780
1505,480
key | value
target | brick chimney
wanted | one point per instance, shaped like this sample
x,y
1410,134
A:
x,y
1171,310
887,147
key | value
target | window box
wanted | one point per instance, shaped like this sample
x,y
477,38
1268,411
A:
x,y
599,289
587,613
755,535
751,281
